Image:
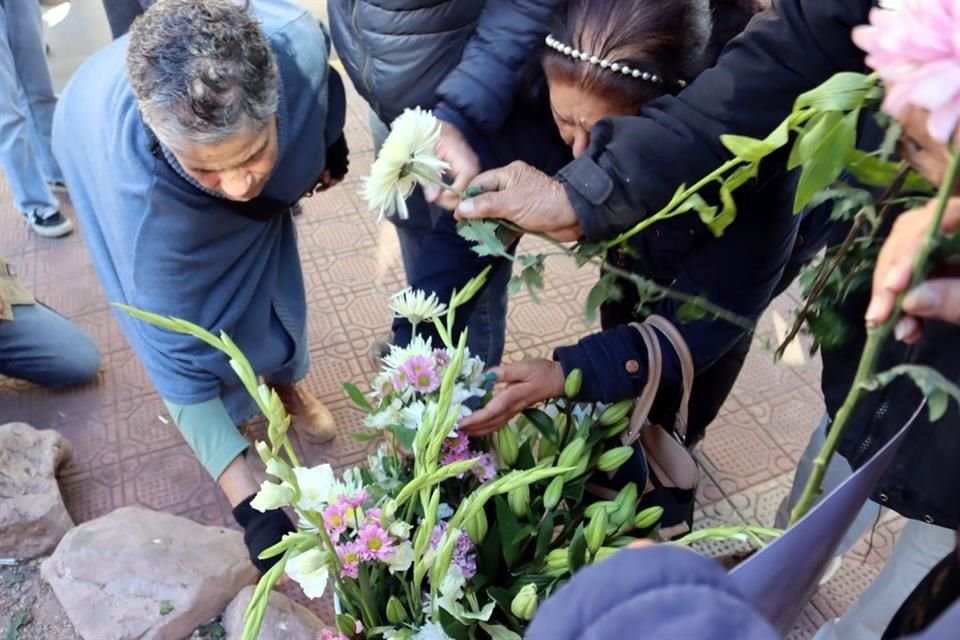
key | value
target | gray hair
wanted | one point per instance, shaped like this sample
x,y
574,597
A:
x,y
202,71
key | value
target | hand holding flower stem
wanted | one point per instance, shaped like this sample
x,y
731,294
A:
x,y
876,338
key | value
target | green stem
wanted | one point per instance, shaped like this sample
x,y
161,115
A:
x,y
876,338
667,212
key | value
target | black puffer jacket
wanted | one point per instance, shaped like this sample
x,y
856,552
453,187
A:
x,y
463,57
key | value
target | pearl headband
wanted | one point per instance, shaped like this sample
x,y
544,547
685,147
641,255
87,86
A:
x,y
603,63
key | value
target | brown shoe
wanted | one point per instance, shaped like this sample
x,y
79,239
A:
x,y
309,416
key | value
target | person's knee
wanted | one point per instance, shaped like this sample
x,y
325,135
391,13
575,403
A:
x,y
80,365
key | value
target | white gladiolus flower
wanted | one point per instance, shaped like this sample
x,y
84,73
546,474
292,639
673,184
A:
x,y
431,631
272,496
451,589
309,569
411,148
316,487
412,415
402,558
416,306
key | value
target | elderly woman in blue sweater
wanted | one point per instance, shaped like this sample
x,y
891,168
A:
x,y
186,146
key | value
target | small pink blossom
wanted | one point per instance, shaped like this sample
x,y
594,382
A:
x,y
350,559
916,51
419,373
335,520
485,469
330,634
374,543
356,500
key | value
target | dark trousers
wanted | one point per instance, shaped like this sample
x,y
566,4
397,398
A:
x,y
122,13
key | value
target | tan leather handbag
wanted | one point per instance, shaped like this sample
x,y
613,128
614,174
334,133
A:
x,y
673,473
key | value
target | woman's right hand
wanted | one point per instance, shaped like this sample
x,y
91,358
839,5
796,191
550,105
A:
x,y
453,149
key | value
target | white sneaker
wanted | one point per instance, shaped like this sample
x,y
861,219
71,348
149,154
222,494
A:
x,y
54,226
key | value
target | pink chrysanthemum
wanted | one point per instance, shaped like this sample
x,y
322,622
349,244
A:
x,y
350,559
419,373
916,51
356,500
485,469
330,634
374,543
335,520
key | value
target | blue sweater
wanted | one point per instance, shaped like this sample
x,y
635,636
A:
x,y
163,243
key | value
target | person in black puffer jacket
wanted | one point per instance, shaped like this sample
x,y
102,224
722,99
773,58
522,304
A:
x,y
463,59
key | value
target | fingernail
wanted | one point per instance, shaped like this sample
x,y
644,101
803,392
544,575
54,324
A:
x,y
922,299
873,312
431,192
902,330
466,206
490,377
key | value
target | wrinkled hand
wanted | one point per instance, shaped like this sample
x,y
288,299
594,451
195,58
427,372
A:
x,y
526,197
326,181
525,384
454,149
937,298
928,156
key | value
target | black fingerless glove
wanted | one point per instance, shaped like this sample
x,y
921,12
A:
x,y
261,531
338,158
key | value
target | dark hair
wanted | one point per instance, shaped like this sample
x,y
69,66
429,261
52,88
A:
x,y
665,38
201,70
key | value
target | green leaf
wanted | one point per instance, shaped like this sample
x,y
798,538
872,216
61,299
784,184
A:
x,y
499,632
522,535
532,274
746,148
542,423
932,384
577,553
741,176
719,222
842,92
696,203
826,159
690,312
405,436
873,171
544,537
810,141
357,396
166,607
484,234
605,290
507,527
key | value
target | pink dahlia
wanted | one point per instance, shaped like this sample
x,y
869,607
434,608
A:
x,y
916,51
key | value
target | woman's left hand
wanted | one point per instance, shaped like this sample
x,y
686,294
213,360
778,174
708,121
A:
x,y
526,384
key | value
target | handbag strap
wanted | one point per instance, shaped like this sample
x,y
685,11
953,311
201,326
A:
x,y
648,333
687,369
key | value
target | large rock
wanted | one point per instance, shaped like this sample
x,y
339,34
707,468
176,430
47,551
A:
x,y
32,515
137,573
285,619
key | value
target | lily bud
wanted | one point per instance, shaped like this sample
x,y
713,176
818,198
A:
x,y
519,500
572,453
596,531
396,612
614,458
347,625
477,527
557,560
615,413
603,553
525,603
648,517
573,383
561,422
551,498
505,442
608,505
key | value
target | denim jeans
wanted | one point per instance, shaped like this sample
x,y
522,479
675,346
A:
x,y
44,348
27,102
487,326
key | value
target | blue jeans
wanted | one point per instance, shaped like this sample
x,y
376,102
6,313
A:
x,y
487,325
27,102
44,348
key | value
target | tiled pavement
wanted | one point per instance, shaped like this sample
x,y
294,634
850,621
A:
x,y
127,451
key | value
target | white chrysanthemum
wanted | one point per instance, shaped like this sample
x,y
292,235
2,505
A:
x,y
311,571
416,306
388,416
418,346
410,149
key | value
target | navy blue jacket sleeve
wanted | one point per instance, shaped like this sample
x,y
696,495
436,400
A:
x,y
478,94
635,163
737,272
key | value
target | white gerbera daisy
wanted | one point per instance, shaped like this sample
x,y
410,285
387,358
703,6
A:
x,y
416,306
408,155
